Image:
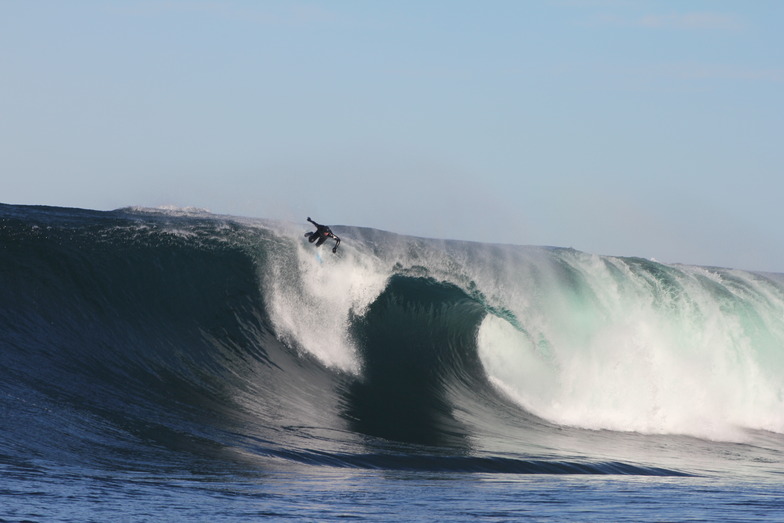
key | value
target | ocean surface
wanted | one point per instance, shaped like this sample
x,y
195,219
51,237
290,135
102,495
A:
x,y
163,365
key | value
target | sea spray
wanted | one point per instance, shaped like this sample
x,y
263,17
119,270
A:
x,y
312,301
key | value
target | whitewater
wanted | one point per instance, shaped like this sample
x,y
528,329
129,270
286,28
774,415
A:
x,y
175,364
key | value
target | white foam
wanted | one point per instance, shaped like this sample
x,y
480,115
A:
x,y
312,301
628,353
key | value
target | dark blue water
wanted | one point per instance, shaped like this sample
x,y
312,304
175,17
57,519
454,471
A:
x,y
164,365
328,494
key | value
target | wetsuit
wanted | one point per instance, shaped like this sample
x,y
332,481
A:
x,y
321,234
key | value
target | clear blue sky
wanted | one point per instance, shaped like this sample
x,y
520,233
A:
x,y
636,128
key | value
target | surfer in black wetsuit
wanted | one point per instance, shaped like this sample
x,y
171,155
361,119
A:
x,y
321,234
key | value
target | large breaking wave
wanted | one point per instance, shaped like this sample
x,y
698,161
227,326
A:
x,y
157,338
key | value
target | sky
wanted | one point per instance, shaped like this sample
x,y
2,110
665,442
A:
x,y
618,127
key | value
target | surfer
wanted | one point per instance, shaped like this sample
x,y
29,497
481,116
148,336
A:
x,y
321,234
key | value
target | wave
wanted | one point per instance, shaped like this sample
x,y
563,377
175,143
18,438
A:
x,y
178,335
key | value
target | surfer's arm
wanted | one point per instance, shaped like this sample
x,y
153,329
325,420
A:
x,y
337,242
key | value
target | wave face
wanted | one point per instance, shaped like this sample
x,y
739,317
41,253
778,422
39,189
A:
x,y
140,338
